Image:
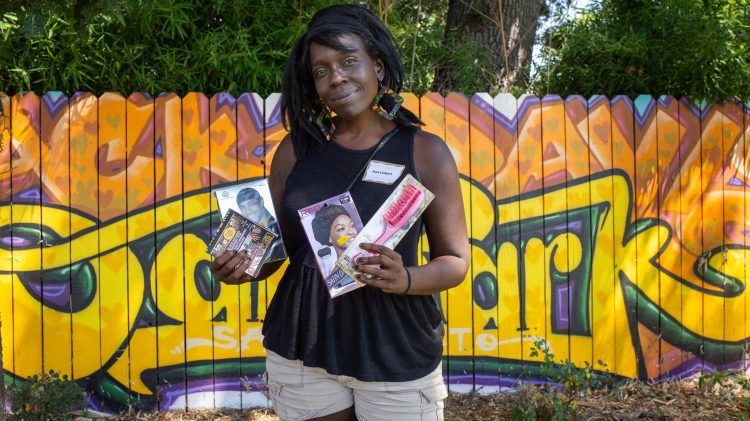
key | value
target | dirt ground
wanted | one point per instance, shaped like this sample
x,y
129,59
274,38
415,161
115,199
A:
x,y
684,400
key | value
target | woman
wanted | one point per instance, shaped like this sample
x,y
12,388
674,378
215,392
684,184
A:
x,y
332,226
373,353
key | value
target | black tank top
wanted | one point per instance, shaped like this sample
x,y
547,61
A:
x,y
366,333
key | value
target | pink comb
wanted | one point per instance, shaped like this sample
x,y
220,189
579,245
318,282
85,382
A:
x,y
399,213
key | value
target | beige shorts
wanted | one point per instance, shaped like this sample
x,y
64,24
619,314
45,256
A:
x,y
301,393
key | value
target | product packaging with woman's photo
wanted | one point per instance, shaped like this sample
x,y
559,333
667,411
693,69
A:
x,y
331,225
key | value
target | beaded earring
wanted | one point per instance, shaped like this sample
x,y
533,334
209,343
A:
x,y
385,92
325,119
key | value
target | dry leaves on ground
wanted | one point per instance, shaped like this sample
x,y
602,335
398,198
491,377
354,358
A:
x,y
681,400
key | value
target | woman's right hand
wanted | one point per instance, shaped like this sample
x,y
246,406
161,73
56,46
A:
x,y
230,268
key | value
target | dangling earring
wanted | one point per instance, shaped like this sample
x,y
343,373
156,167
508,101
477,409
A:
x,y
384,92
324,118
381,91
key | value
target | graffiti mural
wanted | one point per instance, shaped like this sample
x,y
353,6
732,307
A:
x,y
615,229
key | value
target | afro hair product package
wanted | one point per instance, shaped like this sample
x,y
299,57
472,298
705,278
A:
x,y
252,200
331,225
239,233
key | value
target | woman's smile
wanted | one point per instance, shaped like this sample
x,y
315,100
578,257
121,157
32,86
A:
x,y
345,98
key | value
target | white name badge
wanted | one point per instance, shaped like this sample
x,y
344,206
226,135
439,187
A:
x,y
382,172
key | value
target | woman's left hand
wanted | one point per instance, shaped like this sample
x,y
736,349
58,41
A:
x,y
388,272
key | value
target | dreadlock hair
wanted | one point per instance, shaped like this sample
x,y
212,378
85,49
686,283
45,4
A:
x,y
299,100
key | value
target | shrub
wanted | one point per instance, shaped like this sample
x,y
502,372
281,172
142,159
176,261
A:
x,y
46,397
573,379
543,403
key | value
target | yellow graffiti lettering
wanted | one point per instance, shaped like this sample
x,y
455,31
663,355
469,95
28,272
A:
x,y
570,265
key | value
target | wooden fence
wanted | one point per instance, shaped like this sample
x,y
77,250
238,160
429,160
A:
x,y
616,230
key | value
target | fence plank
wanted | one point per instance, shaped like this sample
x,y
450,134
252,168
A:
x,y
167,283
603,313
731,149
273,129
482,232
141,185
578,214
746,210
250,147
84,301
55,280
721,231
645,185
509,248
6,245
251,165
533,324
198,334
26,211
690,205
5,147
251,152
432,113
629,362
112,282
461,360
274,132
712,208
557,291
225,308
679,229
667,168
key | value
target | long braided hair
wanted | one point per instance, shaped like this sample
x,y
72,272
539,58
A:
x,y
300,105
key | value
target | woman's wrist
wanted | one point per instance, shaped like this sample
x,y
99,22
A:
x,y
408,281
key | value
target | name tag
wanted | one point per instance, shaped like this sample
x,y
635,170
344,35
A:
x,y
382,172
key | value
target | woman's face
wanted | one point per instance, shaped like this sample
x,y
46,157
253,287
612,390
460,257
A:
x,y
342,233
346,81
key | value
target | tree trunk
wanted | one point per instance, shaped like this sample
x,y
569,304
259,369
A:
x,y
477,23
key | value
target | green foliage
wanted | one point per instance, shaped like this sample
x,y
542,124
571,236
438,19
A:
x,y
153,46
468,66
543,403
742,380
574,380
206,46
556,401
418,29
695,48
710,380
728,384
46,397
190,45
